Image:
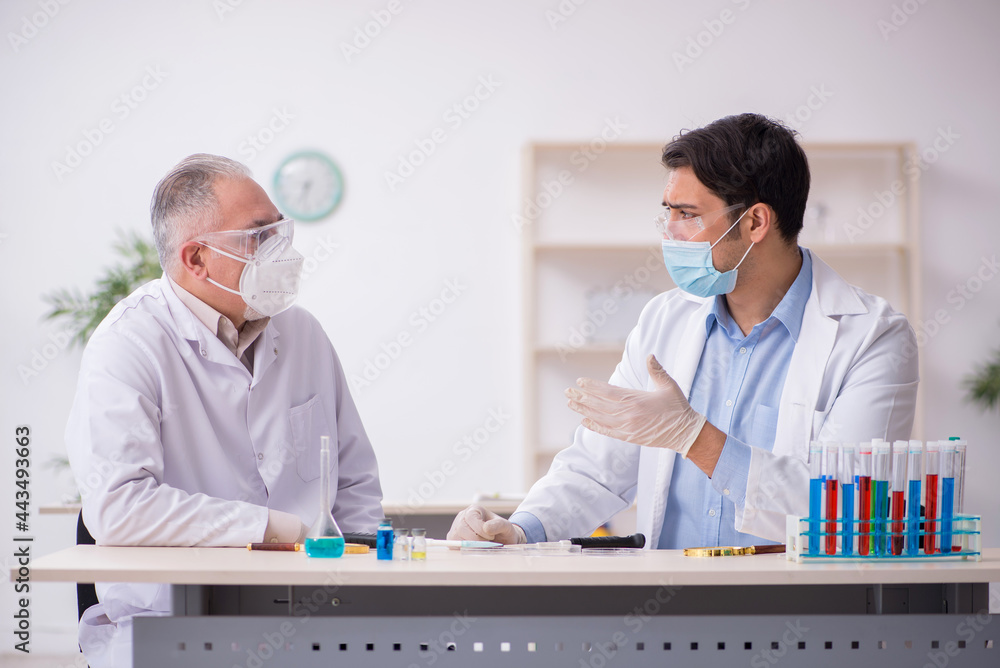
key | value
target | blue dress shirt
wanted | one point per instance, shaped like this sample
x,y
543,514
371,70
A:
x,y
738,388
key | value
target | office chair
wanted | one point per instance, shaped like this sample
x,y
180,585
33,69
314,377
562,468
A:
x,y
86,592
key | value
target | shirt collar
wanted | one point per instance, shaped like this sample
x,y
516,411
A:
x,y
788,312
220,326
207,315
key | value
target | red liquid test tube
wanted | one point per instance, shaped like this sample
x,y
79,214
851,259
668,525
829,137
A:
x,y
932,462
864,497
831,473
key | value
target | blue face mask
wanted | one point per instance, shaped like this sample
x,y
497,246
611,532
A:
x,y
691,268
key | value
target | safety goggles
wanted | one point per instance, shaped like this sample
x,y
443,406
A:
x,y
248,243
685,229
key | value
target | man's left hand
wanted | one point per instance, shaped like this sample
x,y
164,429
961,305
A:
x,y
662,418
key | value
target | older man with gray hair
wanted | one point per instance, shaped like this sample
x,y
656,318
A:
x,y
203,396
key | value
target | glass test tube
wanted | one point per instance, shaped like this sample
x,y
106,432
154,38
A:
x,y
847,468
831,481
932,460
947,493
815,494
899,454
915,468
864,496
880,495
960,447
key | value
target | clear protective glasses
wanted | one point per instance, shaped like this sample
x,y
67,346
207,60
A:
x,y
248,243
685,229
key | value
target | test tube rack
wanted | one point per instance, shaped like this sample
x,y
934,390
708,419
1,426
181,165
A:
x,y
966,531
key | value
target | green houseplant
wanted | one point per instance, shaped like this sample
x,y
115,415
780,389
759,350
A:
x,y
983,386
84,312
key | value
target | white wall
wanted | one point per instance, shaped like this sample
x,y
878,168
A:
x,y
224,76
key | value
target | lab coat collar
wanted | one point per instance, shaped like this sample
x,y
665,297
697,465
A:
x,y
192,329
835,295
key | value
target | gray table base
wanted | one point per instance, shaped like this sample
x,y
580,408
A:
x,y
934,625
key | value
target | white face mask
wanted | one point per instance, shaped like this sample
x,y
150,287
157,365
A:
x,y
270,280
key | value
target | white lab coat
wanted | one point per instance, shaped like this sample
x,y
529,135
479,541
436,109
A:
x,y
173,442
852,377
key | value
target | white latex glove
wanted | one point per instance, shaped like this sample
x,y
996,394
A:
x,y
477,523
662,418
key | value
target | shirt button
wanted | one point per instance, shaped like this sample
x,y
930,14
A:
x,y
204,353
725,492
743,351
260,456
711,513
274,539
729,402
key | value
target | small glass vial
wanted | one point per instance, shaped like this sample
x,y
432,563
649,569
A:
x,y
401,546
419,548
383,540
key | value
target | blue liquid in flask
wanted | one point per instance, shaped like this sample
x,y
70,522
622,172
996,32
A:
x,y
328,548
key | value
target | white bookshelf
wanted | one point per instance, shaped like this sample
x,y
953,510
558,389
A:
x,y
597,233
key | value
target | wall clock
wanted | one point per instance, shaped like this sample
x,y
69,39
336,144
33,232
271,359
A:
x,y
308,186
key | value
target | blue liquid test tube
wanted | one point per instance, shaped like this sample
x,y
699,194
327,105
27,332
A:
x,y
915,467
880,509
947,494
847,499
815,494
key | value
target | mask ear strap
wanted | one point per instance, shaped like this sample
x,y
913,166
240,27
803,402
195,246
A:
x,y
744,256
235,257
220,285
730,230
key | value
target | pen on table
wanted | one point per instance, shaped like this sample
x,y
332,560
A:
x,y
276,547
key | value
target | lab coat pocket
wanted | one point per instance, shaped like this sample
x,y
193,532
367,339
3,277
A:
x,y
308,424
765,424
823,429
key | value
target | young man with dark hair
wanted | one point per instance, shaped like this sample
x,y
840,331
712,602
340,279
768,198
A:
x,y
724,381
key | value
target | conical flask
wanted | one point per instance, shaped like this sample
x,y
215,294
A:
x,y
324,539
